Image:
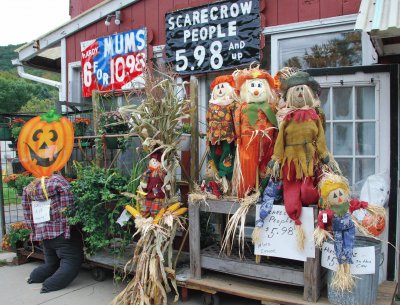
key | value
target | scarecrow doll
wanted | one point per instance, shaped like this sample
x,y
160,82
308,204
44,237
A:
x,y
255,126
152,183
220,127
337,217
299,147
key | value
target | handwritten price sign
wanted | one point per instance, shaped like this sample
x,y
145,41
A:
x,y
363,259
278,237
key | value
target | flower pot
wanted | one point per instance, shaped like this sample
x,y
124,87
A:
x,y
79,130
184,142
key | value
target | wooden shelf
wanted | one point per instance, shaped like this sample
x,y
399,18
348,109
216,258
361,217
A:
x,y
309,276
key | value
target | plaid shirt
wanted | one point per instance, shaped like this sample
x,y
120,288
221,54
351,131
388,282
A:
x,y
58,190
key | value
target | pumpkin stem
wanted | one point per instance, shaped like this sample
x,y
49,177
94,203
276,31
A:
x,y
50,116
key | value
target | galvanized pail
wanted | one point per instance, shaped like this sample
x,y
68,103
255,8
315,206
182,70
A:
x,y
366,285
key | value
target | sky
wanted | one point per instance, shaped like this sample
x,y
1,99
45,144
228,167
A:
x,y
22,21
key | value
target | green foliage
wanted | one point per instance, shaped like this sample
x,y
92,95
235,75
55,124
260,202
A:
x,y
18,232
7,53
94,190
36,105
21,182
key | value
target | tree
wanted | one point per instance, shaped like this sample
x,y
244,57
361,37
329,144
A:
x,y
36,105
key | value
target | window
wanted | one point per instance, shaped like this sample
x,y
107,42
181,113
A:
x,y
330,42
356,130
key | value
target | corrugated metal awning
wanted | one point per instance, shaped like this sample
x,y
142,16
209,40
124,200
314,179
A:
x,y
381,19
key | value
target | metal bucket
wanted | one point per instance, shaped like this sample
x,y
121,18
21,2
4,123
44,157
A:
x,y
366,285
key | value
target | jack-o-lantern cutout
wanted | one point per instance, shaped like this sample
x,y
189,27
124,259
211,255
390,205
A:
x,y
45,143
374,225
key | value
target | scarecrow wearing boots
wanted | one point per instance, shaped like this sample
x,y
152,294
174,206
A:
x,y
152,184
299,147
255,125
220,126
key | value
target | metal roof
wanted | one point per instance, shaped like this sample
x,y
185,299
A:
x,y
381,19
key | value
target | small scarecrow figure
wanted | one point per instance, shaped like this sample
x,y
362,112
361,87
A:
x,y
337,218
299,147
255,125
152,183
220,126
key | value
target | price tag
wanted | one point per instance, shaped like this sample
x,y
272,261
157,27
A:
x,y
324,218
123,218
278,235
41,211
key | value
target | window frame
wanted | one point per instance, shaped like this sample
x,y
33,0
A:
x,y
314,27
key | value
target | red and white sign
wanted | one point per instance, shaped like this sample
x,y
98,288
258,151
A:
x,y
114,62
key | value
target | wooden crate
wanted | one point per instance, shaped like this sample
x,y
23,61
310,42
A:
x,y
308,275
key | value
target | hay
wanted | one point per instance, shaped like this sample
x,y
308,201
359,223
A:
x,y
238,219
256,235
343,280
320,235
300,237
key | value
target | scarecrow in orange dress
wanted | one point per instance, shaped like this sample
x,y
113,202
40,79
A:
x,y
255,125
220,126
299,147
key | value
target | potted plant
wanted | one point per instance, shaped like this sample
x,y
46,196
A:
x,y
113,123
186,135
80,126
18,181
17,235
15,127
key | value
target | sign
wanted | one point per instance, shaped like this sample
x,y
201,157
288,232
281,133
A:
x,y
114,62
41,211
363,259
213,37
278,235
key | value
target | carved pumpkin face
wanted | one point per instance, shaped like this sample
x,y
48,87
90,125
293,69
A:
x,y
375,226
45,144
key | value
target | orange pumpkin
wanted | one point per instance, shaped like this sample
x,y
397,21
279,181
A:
x,y
45,143
374,225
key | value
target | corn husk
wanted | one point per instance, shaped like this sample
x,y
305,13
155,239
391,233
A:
x,y
237,221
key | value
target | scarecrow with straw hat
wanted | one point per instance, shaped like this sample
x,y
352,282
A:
x,y
220,127
255,125
152,183
299,147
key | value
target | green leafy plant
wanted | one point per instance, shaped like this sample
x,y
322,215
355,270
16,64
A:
x,y
94,189
18,232
112,123
21,182
16,126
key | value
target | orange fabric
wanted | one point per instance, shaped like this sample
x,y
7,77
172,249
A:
x,y
249,154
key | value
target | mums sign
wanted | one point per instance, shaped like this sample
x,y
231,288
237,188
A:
x,y
113,62
212,37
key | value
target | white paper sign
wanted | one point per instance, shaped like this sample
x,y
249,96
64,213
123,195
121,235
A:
x,y
41,211
363,259
123,218
278,235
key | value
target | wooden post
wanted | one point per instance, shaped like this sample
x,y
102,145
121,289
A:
x,y
194,240
312,273
99,151
194,120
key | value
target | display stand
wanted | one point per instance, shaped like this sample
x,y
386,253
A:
x,y
308,275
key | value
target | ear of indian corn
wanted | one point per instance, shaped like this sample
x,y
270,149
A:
x,y
132,210
173,207
180,211
158,216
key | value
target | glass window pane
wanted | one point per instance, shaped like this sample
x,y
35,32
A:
x,y
342,139
321,50
342,103
365,133
365,102
364,168
346,166
324,97
328,135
